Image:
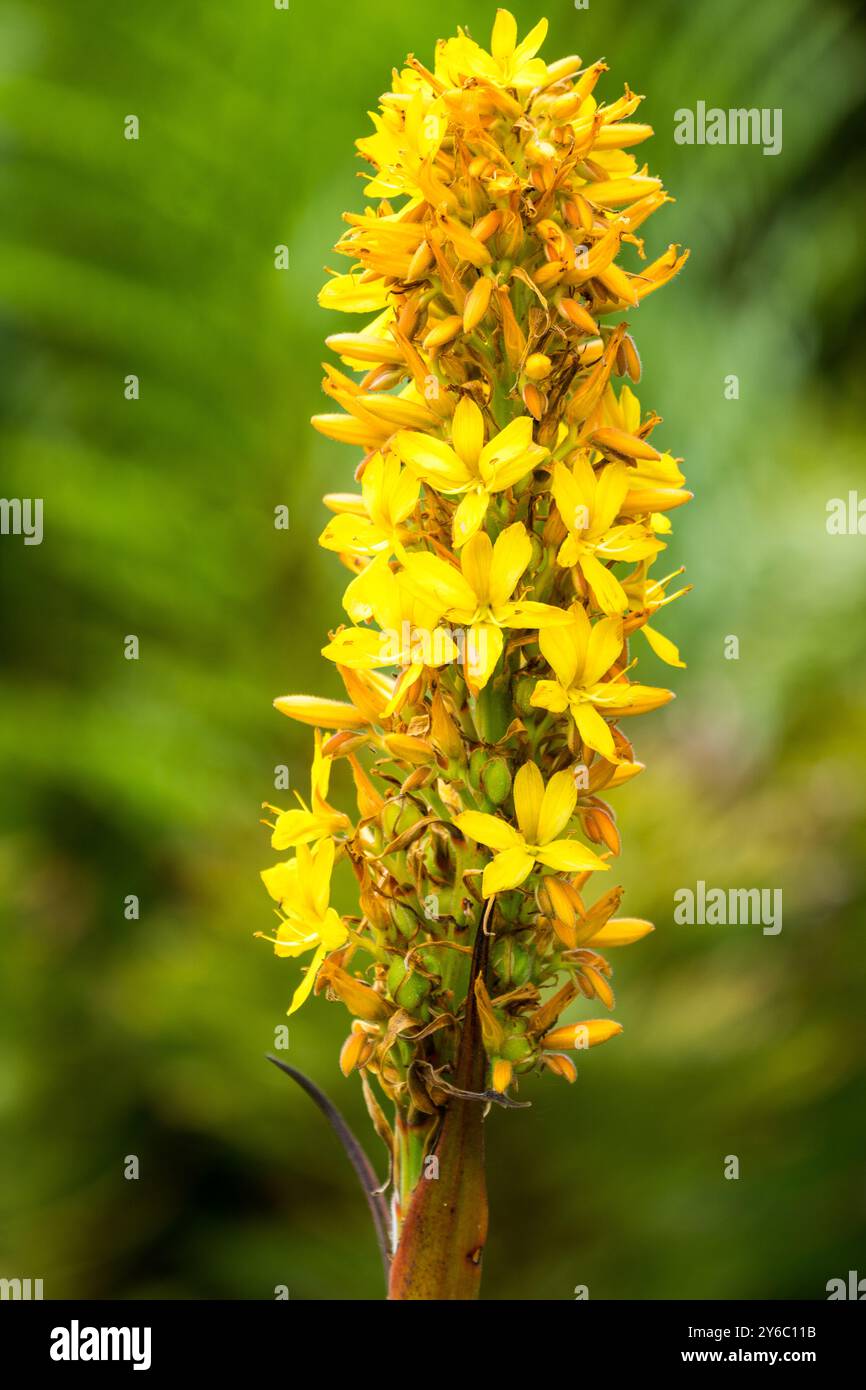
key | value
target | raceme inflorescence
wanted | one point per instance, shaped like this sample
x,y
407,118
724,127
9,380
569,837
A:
x,y
502,553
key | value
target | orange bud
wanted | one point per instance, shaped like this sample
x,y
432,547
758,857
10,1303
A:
x,y
405,746
574,311
420,262
444,331
502,1073
477,302
582,1035
484,228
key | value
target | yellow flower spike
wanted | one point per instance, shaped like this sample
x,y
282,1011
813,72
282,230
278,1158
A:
x,y
513,498
542,815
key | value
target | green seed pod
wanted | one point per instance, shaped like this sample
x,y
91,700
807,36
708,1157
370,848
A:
x,y
518,1049
496,780
406,987
522,692
404,920
509,905
511,962
477,763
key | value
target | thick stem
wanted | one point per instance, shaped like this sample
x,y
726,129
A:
x,y
445,1228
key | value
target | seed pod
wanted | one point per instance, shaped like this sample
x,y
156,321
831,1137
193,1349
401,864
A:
x,y
510,962
477,763
406,987
496,780
404,919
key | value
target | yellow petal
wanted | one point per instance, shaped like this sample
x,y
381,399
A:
x,y
531,44
435,581
528,796
662,646
350,296
506,871
549,695
484,644
476,563
511,554
492,831
564,648
281,880
361,649
609,593
603,648
511,445
594,731
503,40
528,613
569,856
432,460
557,806
322,862
467,431
469,515
304,988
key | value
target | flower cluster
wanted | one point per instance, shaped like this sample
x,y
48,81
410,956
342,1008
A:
x,y
511,508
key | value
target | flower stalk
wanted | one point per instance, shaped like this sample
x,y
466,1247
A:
x,y
512,506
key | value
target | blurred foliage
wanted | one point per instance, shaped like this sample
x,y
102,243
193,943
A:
x,y
156,257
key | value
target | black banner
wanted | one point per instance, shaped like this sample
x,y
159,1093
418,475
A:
x,y
79,1340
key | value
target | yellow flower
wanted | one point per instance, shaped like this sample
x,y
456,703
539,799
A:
x,y
581,653
589,503
542,815
410,637
478,595
372,523
509,63
302,887
313,822
468,465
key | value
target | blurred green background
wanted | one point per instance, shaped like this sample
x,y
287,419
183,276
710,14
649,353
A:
x,y
147,1037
